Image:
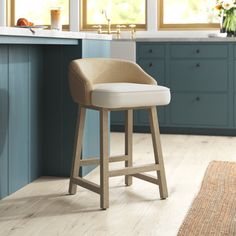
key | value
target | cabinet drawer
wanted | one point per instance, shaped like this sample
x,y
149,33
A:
x,y
199,75
150,50
199,51
199,109
155,68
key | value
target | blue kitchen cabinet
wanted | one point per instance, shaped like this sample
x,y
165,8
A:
x,y
37,114
199,109
20,89
201,77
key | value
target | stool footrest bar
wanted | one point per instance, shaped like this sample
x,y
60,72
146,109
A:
x,y
147,178
86,184
134,170
96,161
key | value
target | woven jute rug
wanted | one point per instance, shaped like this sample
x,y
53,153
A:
x,y
213,212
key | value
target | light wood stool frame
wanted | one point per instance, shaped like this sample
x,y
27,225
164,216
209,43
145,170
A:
x,y
129,171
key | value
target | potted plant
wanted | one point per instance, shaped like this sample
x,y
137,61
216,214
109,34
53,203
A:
x,y
227,11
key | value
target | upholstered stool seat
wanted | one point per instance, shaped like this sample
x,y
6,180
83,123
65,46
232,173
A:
x,y
107,85
118,95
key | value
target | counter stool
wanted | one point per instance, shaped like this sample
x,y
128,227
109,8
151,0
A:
x,y
108,85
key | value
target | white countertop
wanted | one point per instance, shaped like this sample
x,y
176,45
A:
x,y
187,39
158,36
178,36
45,33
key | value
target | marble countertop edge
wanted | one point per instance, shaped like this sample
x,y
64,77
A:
x,y
42,33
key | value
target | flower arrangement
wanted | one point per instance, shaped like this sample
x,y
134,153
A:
x,y
227,10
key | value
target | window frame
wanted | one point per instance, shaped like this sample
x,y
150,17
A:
x,y
84,26
11,20
188,26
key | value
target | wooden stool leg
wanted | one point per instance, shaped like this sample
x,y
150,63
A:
x,y
158,151
77,148
104,161
129,143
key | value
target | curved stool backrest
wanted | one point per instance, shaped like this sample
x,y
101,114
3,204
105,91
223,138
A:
x,y
84,73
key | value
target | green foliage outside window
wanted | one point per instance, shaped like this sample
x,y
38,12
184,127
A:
x,y
120,11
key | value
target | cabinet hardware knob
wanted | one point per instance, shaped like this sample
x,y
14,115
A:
x,y
197,98
198,51
198,65
150,64
150,50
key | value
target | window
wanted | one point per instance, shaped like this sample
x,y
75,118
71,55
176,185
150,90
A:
x,y
37,11
187,14
123,12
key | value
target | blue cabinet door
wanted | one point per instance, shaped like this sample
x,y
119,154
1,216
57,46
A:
x,y
4,101
199,75
18,117
199,110
35,110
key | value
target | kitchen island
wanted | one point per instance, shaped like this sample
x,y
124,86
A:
x,y
37,114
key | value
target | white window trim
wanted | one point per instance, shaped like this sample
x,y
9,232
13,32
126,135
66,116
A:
x,y
3,12
74,15
152,14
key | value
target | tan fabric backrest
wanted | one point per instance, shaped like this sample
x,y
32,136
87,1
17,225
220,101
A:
x,y
84,73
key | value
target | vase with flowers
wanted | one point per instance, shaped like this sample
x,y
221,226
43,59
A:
x,y
227,11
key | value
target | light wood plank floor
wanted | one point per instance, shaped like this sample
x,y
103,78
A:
x,y
44,208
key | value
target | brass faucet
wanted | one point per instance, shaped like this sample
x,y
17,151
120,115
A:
x,y
118,28
133,30
109,31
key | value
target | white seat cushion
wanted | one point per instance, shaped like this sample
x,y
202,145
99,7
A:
x,y
124,95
